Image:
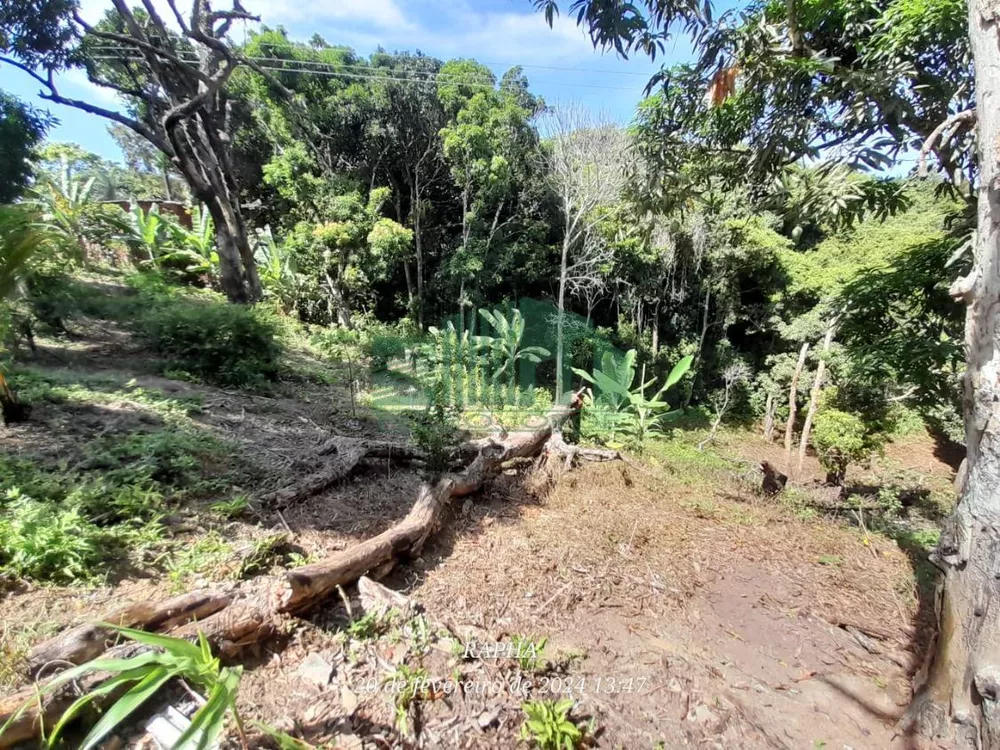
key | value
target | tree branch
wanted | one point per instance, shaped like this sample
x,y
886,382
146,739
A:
x,y
108,114
146,46
942,133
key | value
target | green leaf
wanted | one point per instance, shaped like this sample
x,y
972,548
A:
x,y
175,646
105,688
125,705
610,385
680,369
208,722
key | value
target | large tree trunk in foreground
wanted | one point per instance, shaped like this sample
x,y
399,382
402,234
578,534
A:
x,y
964,679
237,269
203,158
262,609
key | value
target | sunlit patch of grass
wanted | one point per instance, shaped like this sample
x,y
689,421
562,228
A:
x,y
683,457
203,558
75,388
15,643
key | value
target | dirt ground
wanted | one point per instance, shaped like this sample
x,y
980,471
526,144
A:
x,y
679,607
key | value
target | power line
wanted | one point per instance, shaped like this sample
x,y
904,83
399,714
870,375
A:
x,y
132,54
373,74
518,65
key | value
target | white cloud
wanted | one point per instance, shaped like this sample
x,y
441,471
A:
x,y
381,14
91,92
507,38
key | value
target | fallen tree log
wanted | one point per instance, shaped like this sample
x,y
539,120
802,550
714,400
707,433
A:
x,y
83,643
250,617
47,709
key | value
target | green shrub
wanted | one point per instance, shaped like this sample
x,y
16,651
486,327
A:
x,y
840,440
383,347
52,299
435,431
47,541
548,725
219,342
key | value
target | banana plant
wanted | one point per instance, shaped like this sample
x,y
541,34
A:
x,y
614,378
646,413
279,273
507,344
193,249
145,230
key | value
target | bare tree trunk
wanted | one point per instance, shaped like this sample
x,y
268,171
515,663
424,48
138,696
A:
x,y
964,677
563,265
204,162
168,192
410,297
239,281
418,250
656,329
339,297
814,394
769,418
701,342
793,394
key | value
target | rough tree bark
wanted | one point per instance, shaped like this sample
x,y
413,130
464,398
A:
x,y
769,418
964,678
561,306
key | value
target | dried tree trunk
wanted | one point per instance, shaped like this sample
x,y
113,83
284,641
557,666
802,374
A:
x,y
793,395
263,609
349,453
85,642
769,418
963,689
817,388
561,311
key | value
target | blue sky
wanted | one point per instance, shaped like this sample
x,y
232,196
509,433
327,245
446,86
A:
x,y
561,64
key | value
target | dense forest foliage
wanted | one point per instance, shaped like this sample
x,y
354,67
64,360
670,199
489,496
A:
x,y
762,243
398,192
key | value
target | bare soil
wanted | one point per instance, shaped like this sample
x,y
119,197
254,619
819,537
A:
x,y
680,607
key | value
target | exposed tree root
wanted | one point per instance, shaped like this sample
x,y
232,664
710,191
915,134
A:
x,y
348,453
249,617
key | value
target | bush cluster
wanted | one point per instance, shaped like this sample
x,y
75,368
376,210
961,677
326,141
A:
x,y
840,440
213,340
383,347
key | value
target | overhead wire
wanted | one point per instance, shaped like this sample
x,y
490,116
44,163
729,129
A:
x,y
282,65
530,66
